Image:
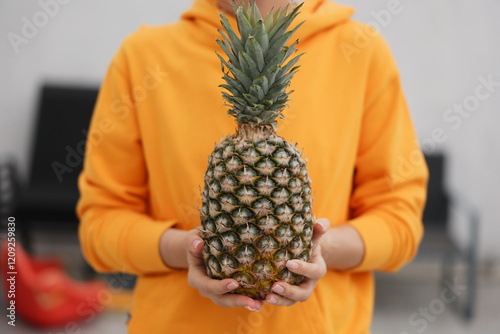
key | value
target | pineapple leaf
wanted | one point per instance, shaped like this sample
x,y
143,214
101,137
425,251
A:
x,y
290,63
255,51
244,26
253,111
231,89
259,32
268,115
258,65
290,49
274,96
257,91
248,65
284,22
285,79
244,79
262,82
271,73
276,46
277,60
254,13
235,41
269,21
234,100
225,47
234,83
250,98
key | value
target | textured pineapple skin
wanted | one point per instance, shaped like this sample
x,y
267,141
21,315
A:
x,y
256,212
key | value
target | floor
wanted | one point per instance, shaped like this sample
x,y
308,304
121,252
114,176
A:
x,y
410,302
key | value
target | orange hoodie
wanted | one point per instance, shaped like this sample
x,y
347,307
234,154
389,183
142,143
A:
x,y
158,115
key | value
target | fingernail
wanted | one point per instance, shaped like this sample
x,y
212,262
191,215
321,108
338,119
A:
x,y
292,265
250,309
278,289
232,285
196,243
272,300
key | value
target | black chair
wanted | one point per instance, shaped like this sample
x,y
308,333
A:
x,y
48,200
50,194
437,241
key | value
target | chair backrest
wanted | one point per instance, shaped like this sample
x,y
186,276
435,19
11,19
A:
x,y
436,208
61,126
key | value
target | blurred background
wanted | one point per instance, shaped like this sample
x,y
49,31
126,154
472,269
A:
x,y
54,54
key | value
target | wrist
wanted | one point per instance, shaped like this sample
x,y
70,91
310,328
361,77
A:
x,y
342,248
172,248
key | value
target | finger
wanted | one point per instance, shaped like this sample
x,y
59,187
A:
x,y
233,300
313,270
198,278
320,227
299,293
278,300
194,244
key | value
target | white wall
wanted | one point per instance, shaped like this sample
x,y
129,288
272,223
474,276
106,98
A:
x,y
75,45
442,47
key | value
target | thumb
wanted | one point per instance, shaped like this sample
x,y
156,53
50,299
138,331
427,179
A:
x,y
194,244
320,227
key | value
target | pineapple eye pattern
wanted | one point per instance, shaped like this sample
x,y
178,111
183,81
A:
x,y
282,255
228,151
223,222
245,279
209,225
248,232
213,265
285,232
227,260
247,191
230,238
263,268
234,163
256,211
228,199
215,243
267,244
214,187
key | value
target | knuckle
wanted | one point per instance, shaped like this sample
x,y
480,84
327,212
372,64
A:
x,y
191,281
206,286
303,298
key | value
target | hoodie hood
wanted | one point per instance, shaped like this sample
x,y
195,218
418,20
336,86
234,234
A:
x,y
318,14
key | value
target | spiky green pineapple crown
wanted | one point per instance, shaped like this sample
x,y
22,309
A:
x,y
257,76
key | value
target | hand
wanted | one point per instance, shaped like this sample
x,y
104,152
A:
x,y
286,294
216,290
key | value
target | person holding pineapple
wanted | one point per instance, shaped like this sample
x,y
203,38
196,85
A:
x,y
258,247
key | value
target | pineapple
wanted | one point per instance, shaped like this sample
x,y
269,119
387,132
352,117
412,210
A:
x,y
256,203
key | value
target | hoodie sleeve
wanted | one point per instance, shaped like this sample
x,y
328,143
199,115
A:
x,y
116,232
390,173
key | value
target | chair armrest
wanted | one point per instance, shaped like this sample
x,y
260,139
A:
x,y
472,215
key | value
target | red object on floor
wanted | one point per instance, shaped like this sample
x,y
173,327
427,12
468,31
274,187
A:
x,y
44,295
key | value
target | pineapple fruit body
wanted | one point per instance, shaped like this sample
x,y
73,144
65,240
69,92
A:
x,y
256,203
256,210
